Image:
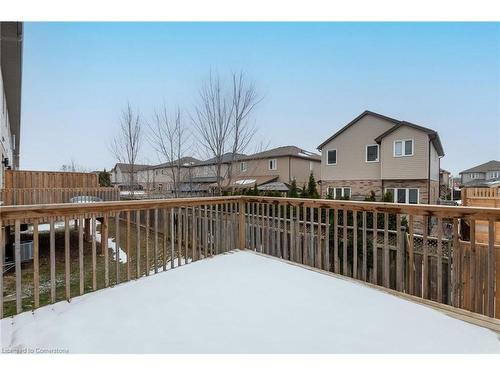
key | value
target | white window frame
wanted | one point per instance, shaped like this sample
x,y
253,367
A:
x,y
403,141
271,161
378,153
336,156
407,194
334,188
243,166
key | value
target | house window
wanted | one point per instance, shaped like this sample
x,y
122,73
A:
x,y
331,156
403,147
243,166
273,164
404,195
339,192
371,153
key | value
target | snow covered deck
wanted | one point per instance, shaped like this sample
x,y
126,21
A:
x,y
242,302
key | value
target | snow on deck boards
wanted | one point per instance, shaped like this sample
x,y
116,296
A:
x,y
243,303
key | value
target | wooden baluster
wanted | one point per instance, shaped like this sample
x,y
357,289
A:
x,y
386,268
179,236
17,259
94,254
297,234
105,248
205,231
138,244
365,250
336,265
344,243
490,285
425,265
172,237
80,254
456,261
326,263
279,253
36,263
66,259
399,254
355,244
128,245
193,234
411,256
440,260
155,252
186,234
375,248
258,226
472,267
148,262
52,262
165,237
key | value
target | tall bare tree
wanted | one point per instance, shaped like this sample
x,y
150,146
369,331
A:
x,y
168,136
127,143
221,119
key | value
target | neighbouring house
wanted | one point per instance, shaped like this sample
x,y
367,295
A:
x,y
380,154
273,170
122,174
160,177
11,51
483,175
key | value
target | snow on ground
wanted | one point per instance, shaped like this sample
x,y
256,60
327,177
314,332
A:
x,y
243,303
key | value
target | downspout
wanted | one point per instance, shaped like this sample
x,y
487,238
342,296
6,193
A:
x,y
429,174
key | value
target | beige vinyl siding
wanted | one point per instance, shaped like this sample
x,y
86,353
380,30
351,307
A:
x,y
405,167
351,151
434,175
300,169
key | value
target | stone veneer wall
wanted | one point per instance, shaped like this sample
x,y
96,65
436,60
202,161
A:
x,y
359,188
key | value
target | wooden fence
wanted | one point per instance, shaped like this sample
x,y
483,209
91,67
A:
x,y
377,243
14,197
20,179
483,197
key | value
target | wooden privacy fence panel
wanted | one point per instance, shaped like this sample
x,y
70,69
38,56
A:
x,y
19,179
79,248
14,197
413,249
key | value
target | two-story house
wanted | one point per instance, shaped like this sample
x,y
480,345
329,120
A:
x,y
483,175
379,154
124,175
11,49
278,166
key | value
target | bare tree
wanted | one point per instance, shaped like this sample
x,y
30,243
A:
x,y
72,166
221,120
127,143
168,137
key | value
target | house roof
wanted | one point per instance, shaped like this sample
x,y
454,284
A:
x,y
228,157
292,151
274,186
125,168
492,165
482,183
184,161
433,135
247,181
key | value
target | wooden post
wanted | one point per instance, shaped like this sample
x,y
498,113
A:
x,y
2,256
94,254
117,247
241,225
425,262
411,258
491,270
138,244
104,248
52,262
87,236
327,266
355,244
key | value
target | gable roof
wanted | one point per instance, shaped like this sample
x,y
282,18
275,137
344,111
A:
x,y
228,157
292,151
184,161
433,135
365,113
125,168
492,165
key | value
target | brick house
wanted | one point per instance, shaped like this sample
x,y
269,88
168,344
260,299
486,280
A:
x,y
379,154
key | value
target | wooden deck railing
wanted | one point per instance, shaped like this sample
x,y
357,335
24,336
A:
x,y
412,249
13,197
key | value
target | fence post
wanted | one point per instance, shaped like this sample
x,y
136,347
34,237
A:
x,y
241,226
